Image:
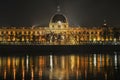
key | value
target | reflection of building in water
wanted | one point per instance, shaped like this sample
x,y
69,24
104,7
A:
x,y
63,67
59,32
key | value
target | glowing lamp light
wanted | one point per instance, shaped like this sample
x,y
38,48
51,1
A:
x,y
94,39
105,24
59,22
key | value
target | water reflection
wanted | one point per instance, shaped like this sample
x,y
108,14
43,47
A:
x,y
61,67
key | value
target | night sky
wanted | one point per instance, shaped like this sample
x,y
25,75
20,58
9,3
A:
x,y
78,12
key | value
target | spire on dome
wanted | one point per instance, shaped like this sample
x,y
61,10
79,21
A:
x,y
58,8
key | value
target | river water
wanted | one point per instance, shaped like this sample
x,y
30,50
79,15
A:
x,y
88,66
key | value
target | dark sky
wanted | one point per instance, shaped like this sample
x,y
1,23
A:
x,y
78,12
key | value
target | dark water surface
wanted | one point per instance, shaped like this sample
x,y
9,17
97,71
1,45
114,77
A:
x,y
91,66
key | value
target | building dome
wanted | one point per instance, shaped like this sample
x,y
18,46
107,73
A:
x,y
58,21
58,18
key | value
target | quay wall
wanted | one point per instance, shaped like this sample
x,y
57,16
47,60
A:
x,y
57,49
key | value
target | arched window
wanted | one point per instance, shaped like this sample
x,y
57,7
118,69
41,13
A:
x,y
59,26
91,32
37,32
64,26
11,32
52,26
95,32
87,32
29,32
84,32
6,32
100,33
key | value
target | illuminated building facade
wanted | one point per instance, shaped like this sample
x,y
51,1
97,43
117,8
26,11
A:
x,y
59,32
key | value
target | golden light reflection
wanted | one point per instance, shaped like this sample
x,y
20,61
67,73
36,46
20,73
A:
x,y
23,62
40,73
17,61
0,62
106,76
8,62
23,74
103,61
99,63
72,60
57,67
78,62
14,74
90,63
32,74
63,62
107,60
13,62
5,74
41,61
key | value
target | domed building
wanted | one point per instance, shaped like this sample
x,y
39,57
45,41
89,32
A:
x,y
58,32
58,21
